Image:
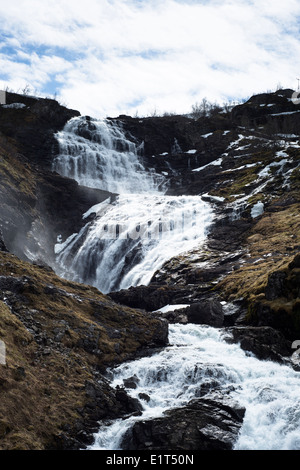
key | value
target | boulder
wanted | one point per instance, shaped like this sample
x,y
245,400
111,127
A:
x,y
149,298
131,382
265,342
132,405
207,312
203,424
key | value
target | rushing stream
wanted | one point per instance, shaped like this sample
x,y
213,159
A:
x,y
200,361
130,238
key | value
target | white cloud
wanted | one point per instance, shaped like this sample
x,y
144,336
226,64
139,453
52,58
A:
x,y
114,56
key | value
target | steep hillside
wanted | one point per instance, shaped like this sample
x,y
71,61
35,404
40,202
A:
x,y
59,337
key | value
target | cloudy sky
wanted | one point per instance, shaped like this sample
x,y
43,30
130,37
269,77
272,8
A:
x,y
140,57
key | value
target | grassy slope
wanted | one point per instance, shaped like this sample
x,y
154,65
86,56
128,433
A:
x,y
271,244
56,333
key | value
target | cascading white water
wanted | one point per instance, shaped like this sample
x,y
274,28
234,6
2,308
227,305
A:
x,y
97,154
109,260
130,239
134,235
200,361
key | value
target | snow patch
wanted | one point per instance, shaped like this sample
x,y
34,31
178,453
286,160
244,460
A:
x,y
214,198
265,172
14,105
171,308
96,208
248,165
60,246
286,113
215,162
257,210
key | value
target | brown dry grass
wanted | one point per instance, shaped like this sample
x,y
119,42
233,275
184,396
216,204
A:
x,y
272,244
41,393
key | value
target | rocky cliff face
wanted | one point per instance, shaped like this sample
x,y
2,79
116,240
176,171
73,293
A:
x,y
36,204
60,336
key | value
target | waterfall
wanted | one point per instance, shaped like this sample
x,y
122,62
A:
x,y
198,362
97,154
134,235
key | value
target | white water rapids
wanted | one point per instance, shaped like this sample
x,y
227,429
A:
x,y
199,361
127,242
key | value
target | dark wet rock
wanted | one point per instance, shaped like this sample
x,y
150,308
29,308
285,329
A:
x,y
207,312
145,297
33,126
102,403
276,285
227,235
144,396
132,405
234,312
163,291
2,243
284,318
179,315
284,283
204,424
279,307
59,213
264,342
131,382
160,334
14,284
295,263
